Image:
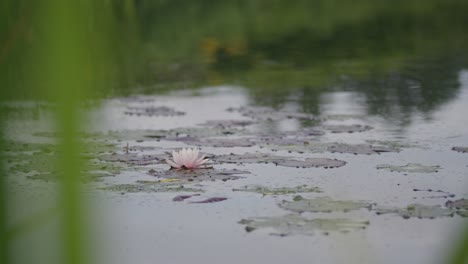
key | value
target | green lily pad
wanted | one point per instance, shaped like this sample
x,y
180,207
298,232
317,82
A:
x,y
417,210
278,191
410,167
323,205
293,224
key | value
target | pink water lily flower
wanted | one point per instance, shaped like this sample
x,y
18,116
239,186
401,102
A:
x,y
186,159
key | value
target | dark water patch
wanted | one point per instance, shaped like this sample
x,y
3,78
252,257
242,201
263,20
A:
x,y
347,128
151,111
278,191
417,211
323,205
293,224
410,167
180,198
460,149
199,175
211,200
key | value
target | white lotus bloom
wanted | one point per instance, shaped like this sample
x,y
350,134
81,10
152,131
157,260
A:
x,y
186,159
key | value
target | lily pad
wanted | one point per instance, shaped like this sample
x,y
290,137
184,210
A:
x,y
457,204
359,149
149,187
134,158
323,204
347,128
461,149
198,175
211,200
247,158
417,210
227,123
278,191
293,224
180,198
219,142
410,167
280,160
266,113
152,111
312,163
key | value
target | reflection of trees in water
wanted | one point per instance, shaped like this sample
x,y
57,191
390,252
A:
x,y
422,86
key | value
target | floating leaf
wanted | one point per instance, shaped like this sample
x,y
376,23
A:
x,y
359,149
134,158
279,160
227,123
293,224
152,111
180,198
278,191
461,149
322,204
410,167
266,113
347,128
248,158
219,142
149,187
211,200
199,175
458,204
312,163
417,210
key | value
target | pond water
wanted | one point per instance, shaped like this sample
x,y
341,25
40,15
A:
x,y
344,184
336,131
